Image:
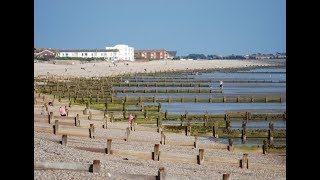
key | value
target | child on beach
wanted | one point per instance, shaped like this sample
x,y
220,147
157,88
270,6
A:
x,y
130,118
62,111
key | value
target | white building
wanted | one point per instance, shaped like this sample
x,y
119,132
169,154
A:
x,y
124,52
118,52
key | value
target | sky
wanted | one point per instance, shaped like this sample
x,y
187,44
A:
x,y
219,27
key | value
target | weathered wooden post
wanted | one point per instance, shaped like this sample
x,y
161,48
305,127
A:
x,y
111,117
108,149
244,136
56,127
201,156
196,99
224,99
163,138
182,99
166,114
159,107
76,120
215,129
91,131
90,116
50,117
145,113
182,118
96,166
169,99
195,143
154,99
64,140
205,120
244,162
123,105
210,98
127,134
156,152
225,176
230,146
188,130
238,99
265,147
161,174
266,99
252,99
228,122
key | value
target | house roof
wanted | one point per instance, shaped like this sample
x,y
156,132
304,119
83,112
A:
x,y
88,50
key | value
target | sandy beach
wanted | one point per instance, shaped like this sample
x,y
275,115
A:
x,y
218,160
98,69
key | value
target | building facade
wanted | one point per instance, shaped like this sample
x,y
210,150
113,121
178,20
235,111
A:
x,y
118,52
154,54
124,52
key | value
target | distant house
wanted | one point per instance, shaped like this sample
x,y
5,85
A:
x,y
154,54
45,54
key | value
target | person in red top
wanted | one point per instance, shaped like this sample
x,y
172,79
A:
x,y
130,118
62,111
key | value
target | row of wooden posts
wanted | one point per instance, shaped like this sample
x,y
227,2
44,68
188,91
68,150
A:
x,y
156,153
95,167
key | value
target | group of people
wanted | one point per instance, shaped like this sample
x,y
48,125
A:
x,y
62,109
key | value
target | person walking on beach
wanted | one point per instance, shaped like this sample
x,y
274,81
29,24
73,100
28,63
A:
x,y
130,118
221,85
62,111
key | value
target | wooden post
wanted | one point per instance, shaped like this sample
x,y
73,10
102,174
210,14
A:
x,y
166,114
127,134
111,117
64,140
244,161
205,120
161,174
252,100
195,144
163,138
90,115
230,146
228,124
50,117
224,99
201,156
91,131
270,136
265,147
108,149
77,121
244,136
85,111
156,152
96,166
225,176
181,118
215,129
266,99
56,127
188,130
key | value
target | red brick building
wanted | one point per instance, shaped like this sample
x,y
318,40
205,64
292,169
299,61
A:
x,y
154,54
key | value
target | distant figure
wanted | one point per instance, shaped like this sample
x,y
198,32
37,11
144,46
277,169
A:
x,y
221,84
62,111
49,108
83,68
126,81
130,118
